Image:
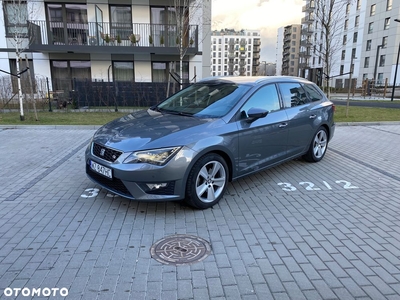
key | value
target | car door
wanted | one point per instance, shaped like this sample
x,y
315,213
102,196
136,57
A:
x,y
302,114
262,142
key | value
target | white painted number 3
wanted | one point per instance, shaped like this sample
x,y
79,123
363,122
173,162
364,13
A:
x,y
90,193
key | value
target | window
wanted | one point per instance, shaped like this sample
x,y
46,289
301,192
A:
x,y
66,24
371,27
343,54
382,60
358,4
15,17
341,69
64,72
387,24
372,10
348,8
265,98
344,39
164,20
380,78
293,94
384,41
25,87
368,48
160,71
123,71
312,92
357,21
366,62
346,24
355,37
353,53
389,4
121,22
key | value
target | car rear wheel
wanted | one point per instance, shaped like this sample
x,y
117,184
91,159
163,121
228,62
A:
x,y
318,146
207,181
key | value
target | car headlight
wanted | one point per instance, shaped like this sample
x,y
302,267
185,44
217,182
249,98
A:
x,y
156,156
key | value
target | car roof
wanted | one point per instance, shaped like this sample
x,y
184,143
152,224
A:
x,y
254,80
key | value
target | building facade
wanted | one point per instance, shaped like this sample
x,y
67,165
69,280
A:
x,y
288,47
118,40
366,43
235,52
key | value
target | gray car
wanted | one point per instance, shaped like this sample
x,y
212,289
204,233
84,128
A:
x,y
191,145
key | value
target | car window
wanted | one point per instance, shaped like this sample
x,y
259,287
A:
x,y
293,94
265,98
312,92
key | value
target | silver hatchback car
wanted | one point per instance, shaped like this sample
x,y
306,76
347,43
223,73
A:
x,y
191,145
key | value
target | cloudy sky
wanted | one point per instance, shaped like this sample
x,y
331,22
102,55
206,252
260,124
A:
x,y
264,15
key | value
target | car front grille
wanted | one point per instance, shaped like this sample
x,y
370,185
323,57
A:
x,y
105,153
114,184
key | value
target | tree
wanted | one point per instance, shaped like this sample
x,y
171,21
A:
x,y
17,14
186,11
329,23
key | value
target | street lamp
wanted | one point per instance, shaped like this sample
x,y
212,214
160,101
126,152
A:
x,y
397,65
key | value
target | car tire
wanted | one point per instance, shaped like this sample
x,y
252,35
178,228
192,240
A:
x,y
207,181
318,146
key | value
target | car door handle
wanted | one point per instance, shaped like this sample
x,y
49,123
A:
x,y
282,125
313,116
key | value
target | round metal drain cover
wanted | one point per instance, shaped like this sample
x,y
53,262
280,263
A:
x,y
180,249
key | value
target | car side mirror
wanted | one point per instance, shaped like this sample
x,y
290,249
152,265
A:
x,y
256,113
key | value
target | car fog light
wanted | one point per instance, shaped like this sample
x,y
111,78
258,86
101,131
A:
x,y
156,186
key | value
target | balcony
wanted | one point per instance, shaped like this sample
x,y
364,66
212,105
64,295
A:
x,y
257,42
306,43
119,38
308,19
308,7
304,54
307,31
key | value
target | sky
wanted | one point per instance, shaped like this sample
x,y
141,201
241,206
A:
x,y
264,15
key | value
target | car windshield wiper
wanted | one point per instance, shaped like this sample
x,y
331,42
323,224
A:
x,y
174,112
156,108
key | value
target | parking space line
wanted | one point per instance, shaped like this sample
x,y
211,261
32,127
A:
x,y
366,164
35,180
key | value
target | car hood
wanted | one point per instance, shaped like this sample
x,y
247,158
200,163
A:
x,y
148,129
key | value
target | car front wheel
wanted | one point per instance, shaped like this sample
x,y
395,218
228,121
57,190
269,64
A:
x,y
207,181
318,146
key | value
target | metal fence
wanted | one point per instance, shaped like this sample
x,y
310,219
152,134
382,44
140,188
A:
x,y
87,93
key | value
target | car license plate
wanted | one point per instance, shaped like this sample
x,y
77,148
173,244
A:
x,y
107,172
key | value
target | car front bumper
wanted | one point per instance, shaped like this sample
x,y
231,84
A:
x,y
143,181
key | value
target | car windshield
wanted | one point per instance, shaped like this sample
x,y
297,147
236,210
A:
x,y
211,99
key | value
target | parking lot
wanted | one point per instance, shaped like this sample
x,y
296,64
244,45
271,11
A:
x,y
328,230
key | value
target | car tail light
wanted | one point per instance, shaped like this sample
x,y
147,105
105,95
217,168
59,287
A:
x,y
333,107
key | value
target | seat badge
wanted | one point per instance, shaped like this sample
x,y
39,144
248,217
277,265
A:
x,y
102,151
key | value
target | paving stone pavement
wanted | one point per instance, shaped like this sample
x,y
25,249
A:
x,y
329,230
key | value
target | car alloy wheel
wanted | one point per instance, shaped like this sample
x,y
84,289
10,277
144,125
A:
x,y
318,146
207,181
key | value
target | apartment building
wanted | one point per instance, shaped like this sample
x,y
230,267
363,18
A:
x,y
288,48
368,36
118,40
235,52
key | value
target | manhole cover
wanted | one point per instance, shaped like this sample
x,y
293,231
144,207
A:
x,y
180,249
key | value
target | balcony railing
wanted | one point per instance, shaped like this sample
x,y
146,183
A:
x,y
52,35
